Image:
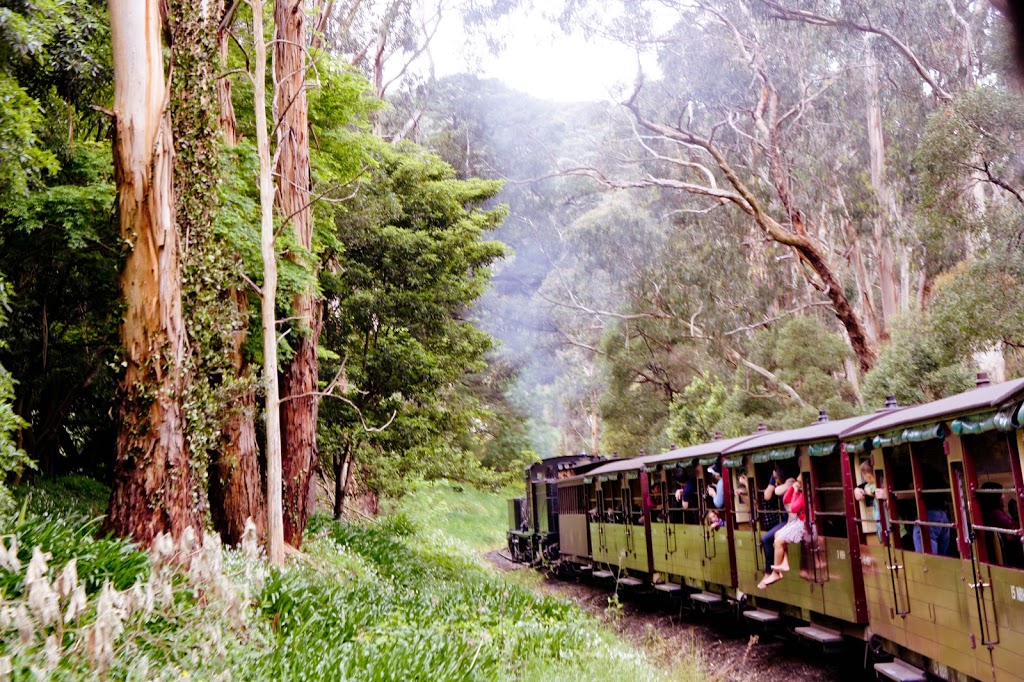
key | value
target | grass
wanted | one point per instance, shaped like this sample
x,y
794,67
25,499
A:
x,y
472,517
406,597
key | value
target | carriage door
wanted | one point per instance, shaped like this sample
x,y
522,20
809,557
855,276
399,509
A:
x,y
602,510
673,514
981,575
710,544
992,473
628,509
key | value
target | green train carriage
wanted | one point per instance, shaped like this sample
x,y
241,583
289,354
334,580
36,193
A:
x,y
937,578
944,582
534,520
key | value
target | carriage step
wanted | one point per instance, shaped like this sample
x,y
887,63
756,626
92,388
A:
x,y
630,581
706,597
603,574
585,568
899,672
761,616
821,635
671,588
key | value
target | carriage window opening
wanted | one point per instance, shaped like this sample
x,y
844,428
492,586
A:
x,y
613,500
868,480
770,512
902,496
685,498
571,499
936,496
993,455
741,499
828,497
674,482
658,499
636,501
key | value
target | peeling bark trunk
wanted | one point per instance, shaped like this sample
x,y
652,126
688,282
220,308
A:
x,y
153,484
885,213
236,487
299,403
855,256
228,123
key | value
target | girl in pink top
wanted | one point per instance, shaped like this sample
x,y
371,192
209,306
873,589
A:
x,y
793,531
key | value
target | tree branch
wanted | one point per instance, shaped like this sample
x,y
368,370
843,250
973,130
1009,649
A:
x,y
787,14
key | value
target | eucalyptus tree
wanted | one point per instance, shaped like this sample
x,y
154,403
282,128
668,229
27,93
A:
x,y
154,485
299,375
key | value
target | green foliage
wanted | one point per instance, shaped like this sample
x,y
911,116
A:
x,y
916,366
379,606
466,514
965,145
99,560
58,245
696,411
12,458
411,258
978,305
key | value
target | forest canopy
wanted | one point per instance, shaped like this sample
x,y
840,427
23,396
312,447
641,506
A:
x,y
384,275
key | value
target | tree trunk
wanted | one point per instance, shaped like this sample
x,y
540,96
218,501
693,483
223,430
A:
x,y
153,483
872,323
885,214
228,122
342,465
275,527
299,402
236,492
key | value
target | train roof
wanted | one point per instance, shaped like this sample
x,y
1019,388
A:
x,y
975,400
819,431
715,447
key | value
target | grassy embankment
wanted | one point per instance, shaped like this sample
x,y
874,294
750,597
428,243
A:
x,y
397,599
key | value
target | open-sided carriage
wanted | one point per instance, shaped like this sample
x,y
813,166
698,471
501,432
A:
x,y
912,542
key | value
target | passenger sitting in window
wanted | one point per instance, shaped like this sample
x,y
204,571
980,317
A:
x,y
869,489
713,520
778,485
716,488
792,532
994,514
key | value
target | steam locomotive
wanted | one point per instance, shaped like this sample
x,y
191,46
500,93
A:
x,y
927,572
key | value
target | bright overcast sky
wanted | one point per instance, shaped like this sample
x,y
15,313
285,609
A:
x,y
540,60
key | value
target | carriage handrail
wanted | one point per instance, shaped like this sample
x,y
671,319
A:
x,y
930,524
1005,531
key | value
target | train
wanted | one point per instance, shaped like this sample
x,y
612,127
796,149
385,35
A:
x,y
911,542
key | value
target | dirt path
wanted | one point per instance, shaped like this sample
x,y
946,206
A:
x,y
721,648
